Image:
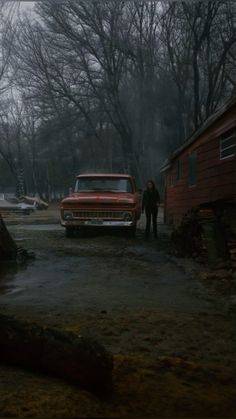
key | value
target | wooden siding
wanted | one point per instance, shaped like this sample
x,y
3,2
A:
x,y
215,177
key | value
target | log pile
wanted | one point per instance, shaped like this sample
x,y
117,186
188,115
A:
x,y
34,200
77,359
186,237
214,238
206,233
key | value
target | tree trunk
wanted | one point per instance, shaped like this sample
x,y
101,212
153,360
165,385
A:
x,y
196,98
8,248
78,359
20,182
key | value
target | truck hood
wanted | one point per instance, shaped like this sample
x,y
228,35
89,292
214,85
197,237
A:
x,y
99,198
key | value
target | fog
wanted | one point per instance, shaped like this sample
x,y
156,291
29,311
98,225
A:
x,y
107,86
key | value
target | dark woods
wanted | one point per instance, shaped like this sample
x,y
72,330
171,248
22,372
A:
x,y
107,86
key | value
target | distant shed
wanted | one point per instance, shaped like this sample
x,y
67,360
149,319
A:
x,y
203,169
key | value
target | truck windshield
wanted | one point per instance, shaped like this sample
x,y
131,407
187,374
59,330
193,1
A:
x,y
103,185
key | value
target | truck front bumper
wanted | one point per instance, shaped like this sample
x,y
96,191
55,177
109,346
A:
x,y
96,223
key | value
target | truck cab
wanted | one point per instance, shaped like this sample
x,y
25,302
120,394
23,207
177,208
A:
x,y
102,200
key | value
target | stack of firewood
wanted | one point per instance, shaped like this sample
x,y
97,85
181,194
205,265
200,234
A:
x,y
205,217
205,235
206,214
186,237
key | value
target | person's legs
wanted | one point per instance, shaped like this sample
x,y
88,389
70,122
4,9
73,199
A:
x,y
154,221
148,223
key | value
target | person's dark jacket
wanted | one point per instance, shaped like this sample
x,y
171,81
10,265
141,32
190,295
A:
x,y
151,199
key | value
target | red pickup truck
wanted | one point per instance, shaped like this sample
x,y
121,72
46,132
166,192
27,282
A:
x,y
102,200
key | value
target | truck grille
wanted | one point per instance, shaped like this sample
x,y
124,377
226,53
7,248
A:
x,y
104,215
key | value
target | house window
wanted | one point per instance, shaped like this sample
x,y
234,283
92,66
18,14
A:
x,y
227,145
178,170
192,169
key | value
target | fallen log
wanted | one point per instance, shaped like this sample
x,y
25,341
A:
x,y
8,248
75,358
34,200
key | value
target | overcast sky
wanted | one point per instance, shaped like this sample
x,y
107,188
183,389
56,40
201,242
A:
x,y
25,5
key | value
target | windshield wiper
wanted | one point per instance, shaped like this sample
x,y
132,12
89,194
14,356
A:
x,y
110,190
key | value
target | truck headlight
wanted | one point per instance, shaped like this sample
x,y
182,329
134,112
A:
x,y
67,215
127,216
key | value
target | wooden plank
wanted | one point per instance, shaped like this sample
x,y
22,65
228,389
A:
x,y
216,171
211,145
231,162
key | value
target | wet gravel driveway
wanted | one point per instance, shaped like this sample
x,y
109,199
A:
x,y
128,293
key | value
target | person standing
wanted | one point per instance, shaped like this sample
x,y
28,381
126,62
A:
x,y
150,202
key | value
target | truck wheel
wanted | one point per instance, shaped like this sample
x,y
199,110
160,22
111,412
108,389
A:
x,y
70,232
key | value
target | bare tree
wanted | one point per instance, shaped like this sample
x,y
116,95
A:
x,y
199,38
8,11
113,84
11,145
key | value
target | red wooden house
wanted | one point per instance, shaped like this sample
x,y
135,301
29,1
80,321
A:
x,y
203,169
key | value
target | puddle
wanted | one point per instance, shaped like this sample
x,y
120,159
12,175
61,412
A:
x,y
39,227
12,291
94,272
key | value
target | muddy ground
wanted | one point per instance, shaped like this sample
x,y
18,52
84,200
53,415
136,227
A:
x,y
173,338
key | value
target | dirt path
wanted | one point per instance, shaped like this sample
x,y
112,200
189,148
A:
x,y
174,342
